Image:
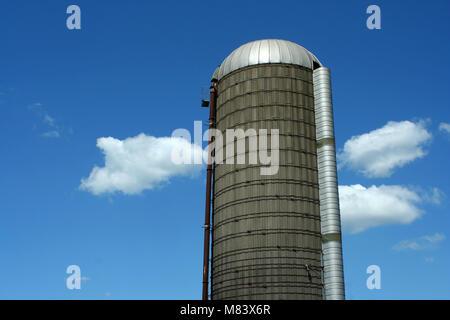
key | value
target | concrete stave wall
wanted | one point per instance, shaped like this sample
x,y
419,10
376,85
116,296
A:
x,y
267,228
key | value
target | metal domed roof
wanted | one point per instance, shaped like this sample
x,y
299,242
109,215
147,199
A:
x,y
266,51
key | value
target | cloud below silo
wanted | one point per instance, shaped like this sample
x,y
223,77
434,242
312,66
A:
x,y
379,152
138,163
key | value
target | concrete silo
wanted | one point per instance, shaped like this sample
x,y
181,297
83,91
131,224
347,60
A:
x,y
275,236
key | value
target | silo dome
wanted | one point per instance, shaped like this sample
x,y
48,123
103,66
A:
x,y
266,51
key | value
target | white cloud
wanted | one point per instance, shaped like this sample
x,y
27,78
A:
x,y
53,129
138,163
431,195
444,127
51,134
407,245
435,196
49,120
424,242
363,208
437,237
379,152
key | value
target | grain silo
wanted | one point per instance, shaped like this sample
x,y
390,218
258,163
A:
x,y
274,236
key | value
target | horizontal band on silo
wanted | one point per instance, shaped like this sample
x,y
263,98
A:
x,y
325,142
331,237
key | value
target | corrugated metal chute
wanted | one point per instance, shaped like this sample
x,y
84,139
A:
x,y
333,271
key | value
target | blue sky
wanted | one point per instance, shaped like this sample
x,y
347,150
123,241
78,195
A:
x,y
139,67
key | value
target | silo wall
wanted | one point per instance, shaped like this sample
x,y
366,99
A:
x,y
266,236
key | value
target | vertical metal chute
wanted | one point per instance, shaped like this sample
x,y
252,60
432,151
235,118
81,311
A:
x,y
333,272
